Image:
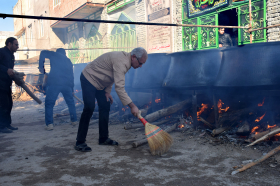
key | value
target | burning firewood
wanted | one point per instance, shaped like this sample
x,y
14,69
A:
x,y
257,161
261,134
206,122
167,111
218,131
18,78
269,135
144,141
244,129
140,125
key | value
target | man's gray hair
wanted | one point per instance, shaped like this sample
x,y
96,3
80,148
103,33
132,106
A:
x,y
139,52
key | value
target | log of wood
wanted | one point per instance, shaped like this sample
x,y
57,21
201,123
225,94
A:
x,y
244,129
269,135
18,78
206,122
31,94
261,134
166,111
256,161
142,111
234,116
78,99
140,125
92,122
218,131
144,141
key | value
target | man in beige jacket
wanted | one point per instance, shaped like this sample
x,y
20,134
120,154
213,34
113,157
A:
x,y
97,80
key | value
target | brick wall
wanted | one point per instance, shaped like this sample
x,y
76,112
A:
x,y
273,18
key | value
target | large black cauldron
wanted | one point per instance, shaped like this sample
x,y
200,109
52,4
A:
x,y
193,69
78,68
152,73
251,65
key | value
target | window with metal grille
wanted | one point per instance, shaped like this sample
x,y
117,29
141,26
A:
x,y
74,54
123,36
94,40
204,38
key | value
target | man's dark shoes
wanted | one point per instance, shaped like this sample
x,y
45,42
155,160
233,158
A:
x,y
109,142
12,128
6,130
82,147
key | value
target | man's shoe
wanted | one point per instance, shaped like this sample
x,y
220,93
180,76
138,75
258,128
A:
x,y
74,123
49,127
6,130
12,128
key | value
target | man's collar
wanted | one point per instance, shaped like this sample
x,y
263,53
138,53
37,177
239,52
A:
x,y
8,49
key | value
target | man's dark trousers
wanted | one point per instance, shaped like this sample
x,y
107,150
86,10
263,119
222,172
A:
x,y
6,105
89,95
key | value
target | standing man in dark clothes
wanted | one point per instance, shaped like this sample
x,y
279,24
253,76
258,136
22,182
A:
x,y
60,79
7,62
224,39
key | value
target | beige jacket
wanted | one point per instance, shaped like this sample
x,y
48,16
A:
x,y
108,69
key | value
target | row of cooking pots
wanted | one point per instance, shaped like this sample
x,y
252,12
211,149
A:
x,y
251,65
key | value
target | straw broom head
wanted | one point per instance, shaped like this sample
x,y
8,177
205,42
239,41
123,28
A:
x,y
159,140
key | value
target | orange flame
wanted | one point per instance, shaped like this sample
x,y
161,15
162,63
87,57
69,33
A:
x,y
220,104
157,100
278,135
181,126
261,104
254,129
204,106
260,118
269,127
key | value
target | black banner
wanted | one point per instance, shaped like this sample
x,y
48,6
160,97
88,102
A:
x,y
199,7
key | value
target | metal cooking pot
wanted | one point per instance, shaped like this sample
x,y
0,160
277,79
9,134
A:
x,y
251,65
193,69
152,74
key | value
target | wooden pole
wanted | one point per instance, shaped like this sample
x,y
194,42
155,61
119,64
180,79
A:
x,y
274,151
250,25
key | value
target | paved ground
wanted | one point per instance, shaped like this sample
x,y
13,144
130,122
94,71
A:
x,y
33,156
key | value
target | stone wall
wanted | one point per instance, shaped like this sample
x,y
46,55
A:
x,y
141,30
273,18
177,19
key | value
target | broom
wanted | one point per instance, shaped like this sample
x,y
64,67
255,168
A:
x,y
159,140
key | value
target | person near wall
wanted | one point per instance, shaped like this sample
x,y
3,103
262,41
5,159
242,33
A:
x,y
97,80
224,39
7,61
60,80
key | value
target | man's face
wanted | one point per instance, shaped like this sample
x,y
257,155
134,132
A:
x,y
222,31
138,62
13,46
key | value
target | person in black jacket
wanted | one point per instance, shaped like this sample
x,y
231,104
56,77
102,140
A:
x,y
7,62
224,39
60,79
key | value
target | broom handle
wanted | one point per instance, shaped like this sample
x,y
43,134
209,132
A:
x,y
142,119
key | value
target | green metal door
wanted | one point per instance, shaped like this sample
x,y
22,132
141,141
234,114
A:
x,y
258,21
